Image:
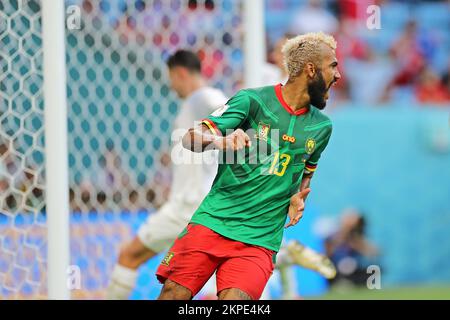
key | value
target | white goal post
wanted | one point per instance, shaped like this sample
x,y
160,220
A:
x,y
56,152
254,42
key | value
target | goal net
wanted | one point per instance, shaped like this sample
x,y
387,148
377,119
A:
x,y
120,113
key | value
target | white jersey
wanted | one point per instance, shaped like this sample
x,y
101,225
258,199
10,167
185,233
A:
x,y
272,75
193,173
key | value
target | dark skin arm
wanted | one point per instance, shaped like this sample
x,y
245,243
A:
x,y
297,205
200,138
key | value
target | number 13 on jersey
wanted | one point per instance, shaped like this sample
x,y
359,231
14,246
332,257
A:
x,y
278,160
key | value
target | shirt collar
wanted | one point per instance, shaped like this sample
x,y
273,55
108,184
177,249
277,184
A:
x,y
285,105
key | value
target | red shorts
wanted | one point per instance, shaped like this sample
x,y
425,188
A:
x,y
199,251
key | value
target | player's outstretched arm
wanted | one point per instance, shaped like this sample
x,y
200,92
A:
x,y
200,138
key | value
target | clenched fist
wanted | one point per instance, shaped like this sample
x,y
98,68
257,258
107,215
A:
x,y
236,141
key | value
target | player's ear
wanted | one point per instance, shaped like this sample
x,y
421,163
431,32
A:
x,y
310,69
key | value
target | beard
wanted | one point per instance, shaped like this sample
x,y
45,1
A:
x,y
317,89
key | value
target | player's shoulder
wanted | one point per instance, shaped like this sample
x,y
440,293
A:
x,y
318,115
319,120
260,91
257,95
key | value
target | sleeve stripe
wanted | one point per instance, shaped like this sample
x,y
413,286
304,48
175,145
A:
x,y
212,126
310,168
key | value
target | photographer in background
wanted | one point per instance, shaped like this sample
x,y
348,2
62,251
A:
x,y
350,250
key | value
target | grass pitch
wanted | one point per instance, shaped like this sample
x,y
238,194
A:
x,y
404,293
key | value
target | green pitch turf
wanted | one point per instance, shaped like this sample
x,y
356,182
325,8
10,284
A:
x,y
404,293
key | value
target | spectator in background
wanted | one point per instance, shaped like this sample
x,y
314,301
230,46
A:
x,y
350,47
312,18
369,66
408,53
430,89
349,249
446,78
407,57
354,10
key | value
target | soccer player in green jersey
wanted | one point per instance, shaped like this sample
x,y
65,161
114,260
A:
x,y
271,139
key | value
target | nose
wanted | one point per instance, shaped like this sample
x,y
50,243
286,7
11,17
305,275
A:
x,y
337,76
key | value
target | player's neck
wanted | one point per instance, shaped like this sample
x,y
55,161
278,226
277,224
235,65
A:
x,y
295,98
195,84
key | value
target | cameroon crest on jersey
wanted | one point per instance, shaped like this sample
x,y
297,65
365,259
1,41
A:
x,y
263,131
310,145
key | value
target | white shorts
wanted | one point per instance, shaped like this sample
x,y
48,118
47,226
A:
x,y
162,227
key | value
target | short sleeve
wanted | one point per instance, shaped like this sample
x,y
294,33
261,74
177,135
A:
x,y
230,116
311,163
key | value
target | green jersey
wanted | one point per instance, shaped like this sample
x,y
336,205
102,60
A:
x,y
250,196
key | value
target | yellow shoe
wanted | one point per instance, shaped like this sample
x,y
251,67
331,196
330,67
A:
x,y
310,259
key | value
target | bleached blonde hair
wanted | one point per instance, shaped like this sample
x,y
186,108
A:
x,y
300,50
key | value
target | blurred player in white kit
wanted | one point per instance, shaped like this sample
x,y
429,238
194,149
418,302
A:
x,y
192,176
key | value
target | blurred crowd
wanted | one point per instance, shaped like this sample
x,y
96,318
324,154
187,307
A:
x,y
161,27
406,61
